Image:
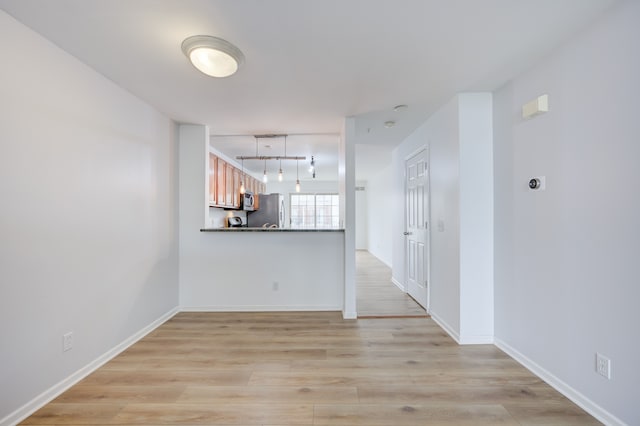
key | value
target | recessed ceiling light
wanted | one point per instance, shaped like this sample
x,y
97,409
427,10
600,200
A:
x,y
400,107
389,124
212,55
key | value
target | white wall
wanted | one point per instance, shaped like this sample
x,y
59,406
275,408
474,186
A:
x,y
347,181
379,208
461,214
88,218
567,258
249,271
309,186
362,216
444,193
476,217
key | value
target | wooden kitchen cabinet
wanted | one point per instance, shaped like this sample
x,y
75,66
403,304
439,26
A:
x,y
224,184
221,182
228,195
236,188
213,190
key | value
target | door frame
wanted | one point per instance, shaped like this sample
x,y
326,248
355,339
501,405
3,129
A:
x,y
427,215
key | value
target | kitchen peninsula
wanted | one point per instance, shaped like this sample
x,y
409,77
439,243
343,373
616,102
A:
x,y
267,230
248,269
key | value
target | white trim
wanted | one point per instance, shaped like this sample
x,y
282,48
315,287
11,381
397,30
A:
x,y
461,340
582,401
428,230
387,264
372,254
47,396
261,308
446,327
477,340
349,315
398,284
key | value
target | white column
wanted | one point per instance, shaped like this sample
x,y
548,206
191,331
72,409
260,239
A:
x,y
193,201
347,177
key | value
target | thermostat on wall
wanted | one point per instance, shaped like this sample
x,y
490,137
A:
x,y
537,183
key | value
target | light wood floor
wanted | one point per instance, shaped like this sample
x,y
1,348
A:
x,y
308,369
376,295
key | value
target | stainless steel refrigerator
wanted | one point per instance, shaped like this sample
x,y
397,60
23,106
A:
x,y
270,212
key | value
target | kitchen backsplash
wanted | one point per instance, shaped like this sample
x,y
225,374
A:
x,y
217,217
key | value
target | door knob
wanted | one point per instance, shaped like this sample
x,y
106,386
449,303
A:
x,y
407,233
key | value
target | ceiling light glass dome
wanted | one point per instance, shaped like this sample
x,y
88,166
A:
x,y
213,56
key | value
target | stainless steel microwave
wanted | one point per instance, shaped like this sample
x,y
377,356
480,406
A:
x,y
248,201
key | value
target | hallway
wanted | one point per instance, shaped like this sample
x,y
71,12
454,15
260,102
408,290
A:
x,y
376,295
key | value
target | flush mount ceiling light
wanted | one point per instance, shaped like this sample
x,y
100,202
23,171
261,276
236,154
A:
x,y
213,56
400,107
389,124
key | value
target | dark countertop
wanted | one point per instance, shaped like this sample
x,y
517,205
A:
x,y
267,230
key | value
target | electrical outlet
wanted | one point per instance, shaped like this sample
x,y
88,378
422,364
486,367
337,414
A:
x,y
603,366
276,285
67,341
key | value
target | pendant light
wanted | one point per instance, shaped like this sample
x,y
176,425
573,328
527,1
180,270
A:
x,y
265,179
242,188
312,167
279,158
280,176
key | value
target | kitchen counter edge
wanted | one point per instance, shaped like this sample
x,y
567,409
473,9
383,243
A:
x,y
267,230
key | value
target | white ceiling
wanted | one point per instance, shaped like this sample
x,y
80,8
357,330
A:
x,y
309,63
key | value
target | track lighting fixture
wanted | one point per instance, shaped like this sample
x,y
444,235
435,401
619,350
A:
x,y
276,157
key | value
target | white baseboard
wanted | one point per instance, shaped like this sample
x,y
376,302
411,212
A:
x,y
461,339
398,284
380,259
349,315
259,308
57,389
582,401
476,340
446,327
562,387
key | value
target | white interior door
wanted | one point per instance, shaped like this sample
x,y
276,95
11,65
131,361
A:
x,y
417,208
